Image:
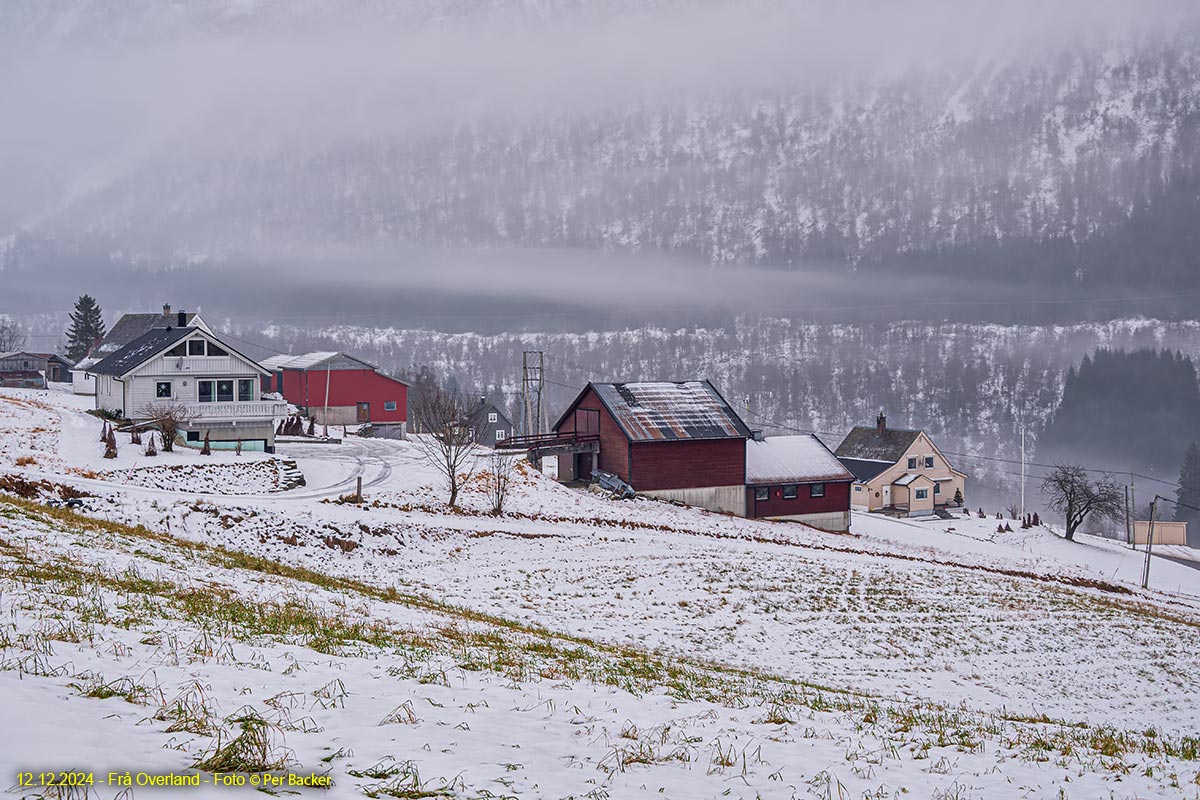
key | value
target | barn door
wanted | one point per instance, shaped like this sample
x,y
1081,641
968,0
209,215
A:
x,y
364,412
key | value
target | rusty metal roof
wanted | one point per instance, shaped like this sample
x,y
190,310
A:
x,y
660,411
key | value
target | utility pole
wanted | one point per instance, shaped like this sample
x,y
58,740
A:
x,y
1149,544
328,374
1133,507
1022,470
1128,526
532,382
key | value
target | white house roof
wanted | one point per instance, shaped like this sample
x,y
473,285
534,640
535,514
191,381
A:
x,y
792,459
306,360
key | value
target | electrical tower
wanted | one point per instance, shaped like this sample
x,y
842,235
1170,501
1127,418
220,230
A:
x,y
533,373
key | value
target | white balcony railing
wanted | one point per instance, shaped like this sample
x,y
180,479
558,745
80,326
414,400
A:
x,y
256,411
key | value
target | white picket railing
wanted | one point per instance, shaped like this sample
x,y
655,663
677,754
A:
x,y
258,411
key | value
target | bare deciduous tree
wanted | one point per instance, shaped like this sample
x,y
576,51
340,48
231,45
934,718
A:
x,y
1069,491
168,417
501,469
12,335
449,439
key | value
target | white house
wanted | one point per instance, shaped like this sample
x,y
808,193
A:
x,y
218,386
127,328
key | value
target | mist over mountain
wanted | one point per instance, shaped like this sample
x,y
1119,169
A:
x,y
1055,143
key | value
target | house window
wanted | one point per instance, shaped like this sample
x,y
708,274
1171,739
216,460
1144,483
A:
x,y
937,489
178,351
922,494
858,488
213,350
928,462
789,492
816,490
389,405
492,416
206,390
500,434
195,347
912,463
162,389
245,390
762,493
193,436
225,391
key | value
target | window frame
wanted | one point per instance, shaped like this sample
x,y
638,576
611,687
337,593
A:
x,y
912,462
178,351
191,349
937,488
212,391
216,350
389,405
920,494
492,416
248,383
790,491
816,490
928,462
762,493
501,434
158,390
230,394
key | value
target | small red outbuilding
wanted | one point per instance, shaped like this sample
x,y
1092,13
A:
x,y
797,478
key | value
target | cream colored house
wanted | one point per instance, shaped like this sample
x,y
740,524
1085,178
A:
x,y
898,470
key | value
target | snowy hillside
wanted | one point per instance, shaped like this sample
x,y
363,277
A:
x,y
572,646
1061,161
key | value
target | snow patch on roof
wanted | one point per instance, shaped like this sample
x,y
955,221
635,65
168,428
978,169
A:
x,y
792,459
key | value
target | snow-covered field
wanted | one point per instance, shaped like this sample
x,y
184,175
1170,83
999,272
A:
x,y
574,646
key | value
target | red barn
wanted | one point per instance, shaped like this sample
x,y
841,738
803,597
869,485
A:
x,y
678,441
797,478
357,392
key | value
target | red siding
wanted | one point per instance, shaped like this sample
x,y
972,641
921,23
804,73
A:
x,y
837,498
347,387
687,464
614,447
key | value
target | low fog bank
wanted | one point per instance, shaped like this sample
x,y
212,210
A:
x,y
500,289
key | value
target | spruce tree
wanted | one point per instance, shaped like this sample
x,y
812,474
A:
x,y
87,325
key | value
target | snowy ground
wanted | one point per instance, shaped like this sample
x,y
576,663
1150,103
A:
x,y
536,649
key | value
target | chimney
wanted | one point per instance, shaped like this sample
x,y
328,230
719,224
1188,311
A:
x,y
166,309
182,319
880,424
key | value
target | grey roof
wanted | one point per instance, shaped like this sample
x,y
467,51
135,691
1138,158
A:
x,y
867,444
792,459
132,326
140,350
864,471
660,411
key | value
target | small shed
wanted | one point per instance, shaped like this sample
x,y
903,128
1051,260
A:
x,y
1165,532
797,478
